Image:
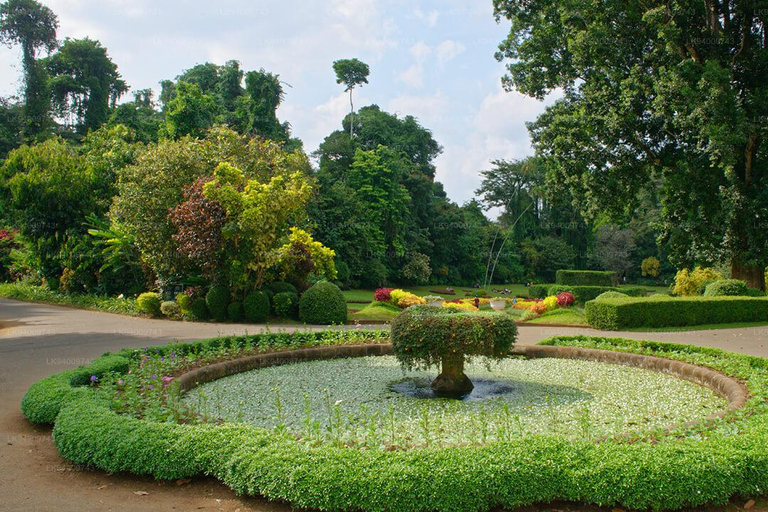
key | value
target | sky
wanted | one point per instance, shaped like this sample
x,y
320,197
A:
x,y
433,59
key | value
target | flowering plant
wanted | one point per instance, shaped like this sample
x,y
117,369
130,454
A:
x,y
382,294
565,299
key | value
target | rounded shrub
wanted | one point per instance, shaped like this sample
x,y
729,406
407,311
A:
x,y
235,311
565,299
281,287
170,309
217,300
256,306
285,305
611,295
149,303
184,301
323,304
726,287
199,309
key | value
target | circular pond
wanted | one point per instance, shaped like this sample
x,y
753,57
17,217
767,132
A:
x,y
371,401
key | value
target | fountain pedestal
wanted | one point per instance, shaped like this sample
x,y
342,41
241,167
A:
x,y
452,382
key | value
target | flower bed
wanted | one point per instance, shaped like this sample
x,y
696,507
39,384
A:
x,y
686,467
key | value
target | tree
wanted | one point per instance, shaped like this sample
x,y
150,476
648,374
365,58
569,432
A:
x,y
613,249
32,26
139,115
84,83
190,112
351,73
11,127
656,94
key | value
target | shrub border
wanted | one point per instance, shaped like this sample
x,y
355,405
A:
x,y
666,473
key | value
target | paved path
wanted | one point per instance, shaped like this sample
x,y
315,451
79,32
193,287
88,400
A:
x,y
38,340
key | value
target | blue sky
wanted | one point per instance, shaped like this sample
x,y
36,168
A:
x,y
431,59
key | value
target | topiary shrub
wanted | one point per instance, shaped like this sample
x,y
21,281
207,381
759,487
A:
x,y
286,305
256,306
281,287
611,295
149,303
170,309
425,336
184,301
726,287
565,299
382,294
323,304
217,300
586,278
538,291
688,284
199,309
235,311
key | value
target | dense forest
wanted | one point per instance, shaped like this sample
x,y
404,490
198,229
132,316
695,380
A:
x,y
108,191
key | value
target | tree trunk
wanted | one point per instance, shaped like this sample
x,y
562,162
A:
x,y
452,382
753,275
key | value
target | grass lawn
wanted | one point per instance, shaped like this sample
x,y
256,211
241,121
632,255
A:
x,y
376,311
704,327
569,316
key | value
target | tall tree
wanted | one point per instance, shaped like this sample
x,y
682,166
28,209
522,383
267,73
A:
x,y
656,94
32,26
351,73
84,83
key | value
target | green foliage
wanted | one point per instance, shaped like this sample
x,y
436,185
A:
x,y
726,287
281,287
323,304
256,306
235,312
32,293
582,294
650,267
539,291
170,308
285,305
416,269
351,72
546,255
104,365
611,295
690,283
217,299
422,335
586,278
184,301
661,311
199,309
656,473
190,112
149,303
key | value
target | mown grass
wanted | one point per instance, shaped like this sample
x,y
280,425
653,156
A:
x,y
570,316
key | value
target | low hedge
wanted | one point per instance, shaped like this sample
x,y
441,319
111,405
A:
x,y
583,294
323,304
586,278
660,311
538,291
708,466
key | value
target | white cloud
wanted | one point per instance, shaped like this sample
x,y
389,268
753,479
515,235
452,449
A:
x,y
420,51
429,18
448,50
431,110
414,75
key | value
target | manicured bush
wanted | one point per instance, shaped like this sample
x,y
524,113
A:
x,y
615,314
403,299
286,305
726,288
170,309
422,335
149,303
688,284
199,309
235,311
694,467
538,291
586,278
611,295
184,301
217,300
281,287
582,294
323,304
256,306
382,294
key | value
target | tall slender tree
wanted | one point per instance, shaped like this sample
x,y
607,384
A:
x,y
351,73
32,26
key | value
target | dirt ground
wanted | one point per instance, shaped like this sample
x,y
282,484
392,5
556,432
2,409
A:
x,y
38,340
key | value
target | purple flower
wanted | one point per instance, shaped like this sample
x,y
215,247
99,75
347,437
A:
x,y
167,379
120,382
153,377
94,379
150,387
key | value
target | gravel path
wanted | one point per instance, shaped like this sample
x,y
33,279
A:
x,y
38,340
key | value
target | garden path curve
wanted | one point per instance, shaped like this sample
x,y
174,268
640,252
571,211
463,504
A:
x,y
38,340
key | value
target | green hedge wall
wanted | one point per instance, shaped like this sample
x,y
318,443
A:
x,y
664,472
617,314
586,278
582,294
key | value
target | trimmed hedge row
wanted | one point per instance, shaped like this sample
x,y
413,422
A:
x,y
668,472
617,314
583,294
586,278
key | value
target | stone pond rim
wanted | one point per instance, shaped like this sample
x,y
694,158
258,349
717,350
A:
x,y
727,387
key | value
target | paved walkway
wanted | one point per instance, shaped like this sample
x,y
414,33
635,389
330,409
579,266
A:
x,y
38,340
